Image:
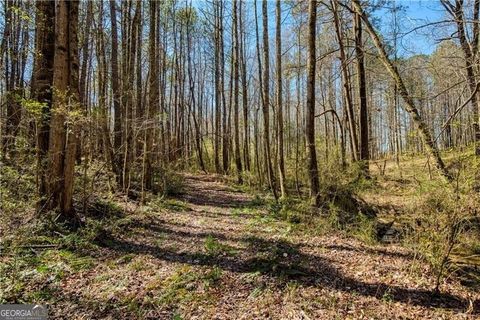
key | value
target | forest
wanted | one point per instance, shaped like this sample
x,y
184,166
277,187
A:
x,y
240,159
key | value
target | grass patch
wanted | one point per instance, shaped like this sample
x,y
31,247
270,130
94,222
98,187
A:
x,y
27,277
213,247
185,285
256,202
160,204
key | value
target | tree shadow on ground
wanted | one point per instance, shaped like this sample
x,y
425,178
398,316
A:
x,y
373,251
216,199
284,261
205,193
220,215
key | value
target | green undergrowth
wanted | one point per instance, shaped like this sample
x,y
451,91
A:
x,y
444,231
213,247
342,209
185,286
31,275
37,251
437,221
167,204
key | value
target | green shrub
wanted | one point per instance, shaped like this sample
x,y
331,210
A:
x,y
364,228
441,220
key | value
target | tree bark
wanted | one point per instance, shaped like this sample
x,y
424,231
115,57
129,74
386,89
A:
x,y
83,70
278,58
225,138
346,84
236,130
64,132
310,112
153,95
42,81
218,101
243,58
266,101
117,108
362,92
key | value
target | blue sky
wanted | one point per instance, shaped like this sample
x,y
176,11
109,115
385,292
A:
x,y
416,13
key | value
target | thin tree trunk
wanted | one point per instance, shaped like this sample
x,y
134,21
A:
x,y
261,91
83,70
225,137
362,92
278,58
102,91
243,58
218,101
266,100
346,84
117,108
236,130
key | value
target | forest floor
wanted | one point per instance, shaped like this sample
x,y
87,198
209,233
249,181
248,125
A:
x,y
213,252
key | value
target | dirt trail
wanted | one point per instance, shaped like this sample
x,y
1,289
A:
x,y
215,254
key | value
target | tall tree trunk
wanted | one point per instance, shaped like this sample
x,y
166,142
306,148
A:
x,y
153,94
236,132
310,112
139,104
266,100
243,58
102,91
362,92
42,81
13,83
218,101
64,131
83,70
128,87
346,83
225,137
278,58
261,92
117,108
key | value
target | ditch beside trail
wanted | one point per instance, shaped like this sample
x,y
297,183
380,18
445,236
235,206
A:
x,y
213,252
